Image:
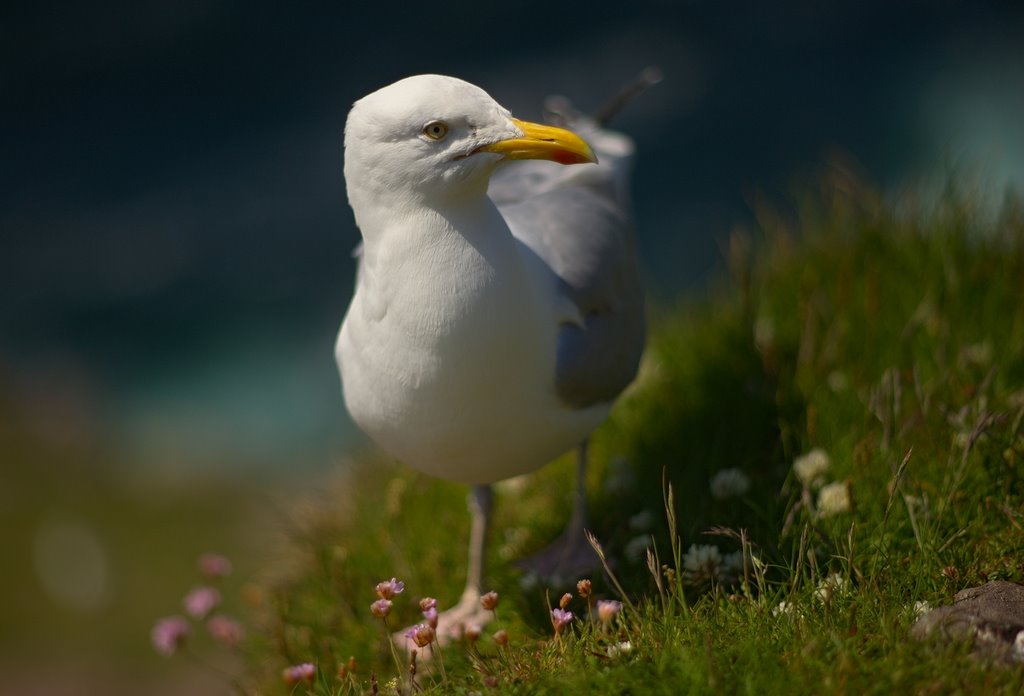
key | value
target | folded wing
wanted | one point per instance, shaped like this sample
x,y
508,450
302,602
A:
x,y
578,220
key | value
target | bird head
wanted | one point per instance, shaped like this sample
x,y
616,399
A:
x,y
440,138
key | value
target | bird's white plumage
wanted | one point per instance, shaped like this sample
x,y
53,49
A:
x,y
449,350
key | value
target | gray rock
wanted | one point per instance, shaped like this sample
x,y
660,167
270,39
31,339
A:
x,y
991,616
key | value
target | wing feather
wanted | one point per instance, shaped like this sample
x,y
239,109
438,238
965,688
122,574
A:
x,y
578,220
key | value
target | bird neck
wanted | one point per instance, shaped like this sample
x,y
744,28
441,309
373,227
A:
x,y
411,222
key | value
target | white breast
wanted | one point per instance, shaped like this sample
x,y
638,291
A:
x,y
447,353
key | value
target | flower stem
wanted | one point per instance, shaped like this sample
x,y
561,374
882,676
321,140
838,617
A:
x,y
394,650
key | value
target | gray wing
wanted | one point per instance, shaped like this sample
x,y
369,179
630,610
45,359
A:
x,y
578,220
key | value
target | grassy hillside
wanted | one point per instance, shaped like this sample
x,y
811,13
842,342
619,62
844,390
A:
x,y
884,340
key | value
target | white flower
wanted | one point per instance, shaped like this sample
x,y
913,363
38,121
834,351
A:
x,y
515,539
978,353
837,381
834,584
620,478
619,648
701,564
811,467
764,332
641,521
516,484
785,608
529,581
834,499
1018,646
922,607
636,547
986,634
732,567
729,483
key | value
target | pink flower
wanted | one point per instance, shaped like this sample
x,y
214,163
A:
x,y
169,634
201,601
431,616
299,673
564,601
501,637
608,609
489,601
225,630
583,587
389,588
560,618
473,632
214,566
381,608
421,634
428,603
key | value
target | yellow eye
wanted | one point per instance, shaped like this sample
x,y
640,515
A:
x,y
436,130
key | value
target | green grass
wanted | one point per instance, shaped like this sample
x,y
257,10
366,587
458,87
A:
x,y
890,335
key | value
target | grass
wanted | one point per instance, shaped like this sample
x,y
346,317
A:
x,y
888,335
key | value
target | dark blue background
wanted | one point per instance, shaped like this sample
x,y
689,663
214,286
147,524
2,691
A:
x,y
174,236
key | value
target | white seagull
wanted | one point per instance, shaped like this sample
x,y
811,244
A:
x,y
490,331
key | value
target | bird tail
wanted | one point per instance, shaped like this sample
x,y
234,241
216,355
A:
x,y
559,110
648,77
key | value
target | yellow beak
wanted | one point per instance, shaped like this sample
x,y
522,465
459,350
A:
x,y
543,142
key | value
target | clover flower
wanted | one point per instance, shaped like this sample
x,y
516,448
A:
x,y
169,634
619,649
785,608
201,601
701,564
922,607
834,499
389,588
811,467
636,547
641,521
829,587
1018,646
764,333
729,483
732,567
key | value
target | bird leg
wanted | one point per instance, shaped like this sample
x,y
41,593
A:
x,y
570,556
481,505
452,622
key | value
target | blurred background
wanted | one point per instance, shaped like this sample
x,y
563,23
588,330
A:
x,y
175,241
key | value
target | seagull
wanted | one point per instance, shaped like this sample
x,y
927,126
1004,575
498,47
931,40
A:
x,y
498,309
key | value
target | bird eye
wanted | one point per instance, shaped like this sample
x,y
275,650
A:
x,y
436,130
